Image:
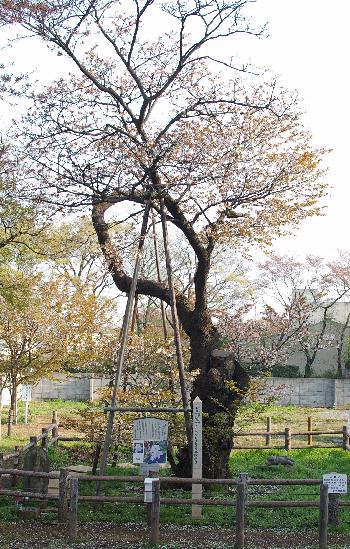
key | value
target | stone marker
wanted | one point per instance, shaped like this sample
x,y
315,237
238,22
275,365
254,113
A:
x,y
36,459
197,455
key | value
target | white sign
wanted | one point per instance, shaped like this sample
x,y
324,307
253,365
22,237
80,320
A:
x,y
337,484
150,428
26,393
150,440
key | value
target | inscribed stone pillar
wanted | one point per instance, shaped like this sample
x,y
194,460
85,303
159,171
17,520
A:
x,y
197,454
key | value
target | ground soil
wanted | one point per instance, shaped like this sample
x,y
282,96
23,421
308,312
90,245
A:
x,y
131,536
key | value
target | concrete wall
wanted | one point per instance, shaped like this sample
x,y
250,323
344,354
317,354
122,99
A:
x,y
79,387
317,392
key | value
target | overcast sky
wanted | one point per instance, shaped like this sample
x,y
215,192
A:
x,y
308,46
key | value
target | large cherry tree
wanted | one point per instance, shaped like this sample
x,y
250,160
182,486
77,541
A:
x,y
156,107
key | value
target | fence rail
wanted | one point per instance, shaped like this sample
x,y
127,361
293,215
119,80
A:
x,y
49,436
69,498
288,433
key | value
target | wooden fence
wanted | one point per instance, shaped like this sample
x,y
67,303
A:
x,y
288,433
69,498
49,437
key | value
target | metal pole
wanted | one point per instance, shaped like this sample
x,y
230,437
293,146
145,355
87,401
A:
x,y
26,412
124,340
176,327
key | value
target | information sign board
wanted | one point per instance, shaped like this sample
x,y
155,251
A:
x,y
26,393
337,483
150,440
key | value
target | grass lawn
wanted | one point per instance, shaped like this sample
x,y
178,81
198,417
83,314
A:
x,y
309,463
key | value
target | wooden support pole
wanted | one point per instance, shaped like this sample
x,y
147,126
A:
x,y
123,343
63,496
151,409
240,513
156,254
309,428
176,326
288,439
155,511
268,430
73,509
323,522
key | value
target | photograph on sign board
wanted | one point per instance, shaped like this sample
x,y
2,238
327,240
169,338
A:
x,y
155,451
138,451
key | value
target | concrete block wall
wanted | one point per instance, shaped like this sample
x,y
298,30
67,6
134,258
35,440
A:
x,y
77,387
317,392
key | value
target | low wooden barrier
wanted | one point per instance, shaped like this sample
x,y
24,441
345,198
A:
x,y
69,498
288,433
48,437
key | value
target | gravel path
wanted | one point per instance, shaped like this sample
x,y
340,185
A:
x,y
131,536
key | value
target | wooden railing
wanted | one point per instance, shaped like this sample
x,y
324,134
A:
x,y
288,433
49,437
69,498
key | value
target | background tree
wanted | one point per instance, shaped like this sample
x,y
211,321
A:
x,y
298,298
46,327
147,116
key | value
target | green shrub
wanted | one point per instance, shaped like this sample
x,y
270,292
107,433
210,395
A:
x,y
285,370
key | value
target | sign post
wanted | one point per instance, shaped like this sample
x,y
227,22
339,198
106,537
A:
x,y
337,484
26,397
197,455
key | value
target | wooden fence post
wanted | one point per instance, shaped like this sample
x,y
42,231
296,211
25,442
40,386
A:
x,y
73,508
323,522
345,437
33,440
63,496
268,429
241,494
309,428
288,438
155,510
55,428
45,439
333,509
15,466
244,478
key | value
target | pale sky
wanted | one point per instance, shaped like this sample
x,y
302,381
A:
x,y
308,46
